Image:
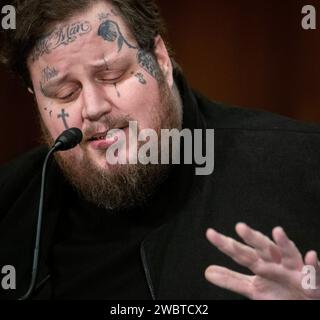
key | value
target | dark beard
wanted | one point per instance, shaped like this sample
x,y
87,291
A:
x,y
125,186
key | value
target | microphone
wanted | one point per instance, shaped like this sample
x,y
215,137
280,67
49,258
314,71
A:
x,y
66,141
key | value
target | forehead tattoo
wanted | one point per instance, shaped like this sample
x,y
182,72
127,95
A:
x,y
110,31
61,36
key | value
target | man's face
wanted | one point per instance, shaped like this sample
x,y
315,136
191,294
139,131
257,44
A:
x,y
89,73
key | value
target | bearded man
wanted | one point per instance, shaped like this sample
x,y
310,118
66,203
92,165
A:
x,y
141,231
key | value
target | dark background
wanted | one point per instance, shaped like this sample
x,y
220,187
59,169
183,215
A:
x,y
252,53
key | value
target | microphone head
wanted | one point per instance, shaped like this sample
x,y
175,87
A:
x,y
68,139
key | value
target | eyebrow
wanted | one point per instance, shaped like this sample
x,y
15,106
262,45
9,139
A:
x,y
51,83
58,80
104,62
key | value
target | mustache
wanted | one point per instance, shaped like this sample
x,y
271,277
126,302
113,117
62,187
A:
x,y
105,124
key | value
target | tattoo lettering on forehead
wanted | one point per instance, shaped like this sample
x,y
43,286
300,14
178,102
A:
x,y
61,36
141,78
63,115
110,31
47,74
148,62
118,93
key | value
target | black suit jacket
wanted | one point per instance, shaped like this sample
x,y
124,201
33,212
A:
x,y
266,174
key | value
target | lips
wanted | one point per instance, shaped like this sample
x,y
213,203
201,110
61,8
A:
x,y
103,140
102,135
98,136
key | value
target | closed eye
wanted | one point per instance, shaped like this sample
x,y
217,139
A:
x,y
109,77
109,80
70,96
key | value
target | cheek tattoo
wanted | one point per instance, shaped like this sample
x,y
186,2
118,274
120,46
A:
x,y
141,78
50,111
118,93
47,108
148,62
63,117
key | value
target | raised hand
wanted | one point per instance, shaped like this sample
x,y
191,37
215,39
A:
x,y
277,265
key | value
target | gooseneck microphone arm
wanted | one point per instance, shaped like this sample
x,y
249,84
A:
x,y
38,232
67,140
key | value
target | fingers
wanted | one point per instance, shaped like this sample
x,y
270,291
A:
x,y
239,252
291,256
266,249
230,280
311,259
259,249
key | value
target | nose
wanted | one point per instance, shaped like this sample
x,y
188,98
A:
x,y
96,102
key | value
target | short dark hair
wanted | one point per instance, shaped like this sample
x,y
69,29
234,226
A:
x,y
34,18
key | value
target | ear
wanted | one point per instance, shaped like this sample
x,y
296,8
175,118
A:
x,y
164,61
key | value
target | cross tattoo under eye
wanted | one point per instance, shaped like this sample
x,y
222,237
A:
x,y
63,117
